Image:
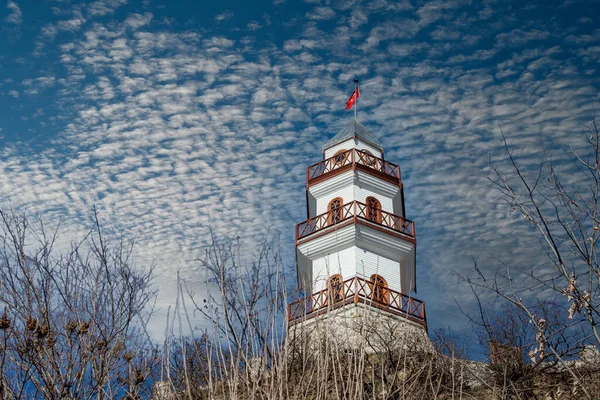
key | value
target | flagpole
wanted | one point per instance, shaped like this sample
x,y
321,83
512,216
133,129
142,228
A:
x,y
356,100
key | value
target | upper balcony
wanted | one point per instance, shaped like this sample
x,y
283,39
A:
x,y
351,213
353,159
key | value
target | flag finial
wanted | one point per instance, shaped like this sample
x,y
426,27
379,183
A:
x,y
357,94
353,99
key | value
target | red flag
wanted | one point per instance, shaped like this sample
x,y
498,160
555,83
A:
x,y
352,99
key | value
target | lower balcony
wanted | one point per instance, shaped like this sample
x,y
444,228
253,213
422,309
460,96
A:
x,y
353,291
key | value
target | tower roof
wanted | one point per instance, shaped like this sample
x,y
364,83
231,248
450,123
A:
x,y
354,130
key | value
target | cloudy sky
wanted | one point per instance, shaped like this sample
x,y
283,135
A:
x,y
178,116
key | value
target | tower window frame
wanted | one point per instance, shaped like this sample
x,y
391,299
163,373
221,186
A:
x,y
335,210
340,157
335,288
379,289
373,210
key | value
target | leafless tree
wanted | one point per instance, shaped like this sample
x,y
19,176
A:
x,y
72,325
451,343
564,210
244,309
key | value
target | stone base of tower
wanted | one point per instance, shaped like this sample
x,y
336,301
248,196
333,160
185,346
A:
x,y
359,327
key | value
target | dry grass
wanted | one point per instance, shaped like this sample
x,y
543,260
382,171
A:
x,y
317,366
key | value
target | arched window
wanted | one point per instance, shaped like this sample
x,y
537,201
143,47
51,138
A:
x,y
373,209
340,157
335,288
334,210
379,289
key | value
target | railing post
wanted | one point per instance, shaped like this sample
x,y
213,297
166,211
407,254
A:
x,y
355,290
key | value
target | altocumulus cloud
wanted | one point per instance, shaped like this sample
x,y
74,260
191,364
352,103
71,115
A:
x,y
172,126
16,15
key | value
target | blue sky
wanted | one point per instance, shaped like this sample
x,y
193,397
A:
x,y
176,116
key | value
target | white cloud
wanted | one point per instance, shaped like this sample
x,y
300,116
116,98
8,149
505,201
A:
x,y
224,16
445,33
254,26
73,24
16,15
101,8
518,37
321,13
49,31
136,21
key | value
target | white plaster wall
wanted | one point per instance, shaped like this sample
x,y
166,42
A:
x,y
346,145
355,261
338,262
352,144
346,193
361,194
368,263
408,275
351,193
397,202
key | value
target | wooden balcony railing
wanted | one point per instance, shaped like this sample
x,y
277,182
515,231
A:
x,y
358,210
357,290
352,157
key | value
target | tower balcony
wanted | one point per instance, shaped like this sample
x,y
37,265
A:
x,y
352,159
353,291
354,212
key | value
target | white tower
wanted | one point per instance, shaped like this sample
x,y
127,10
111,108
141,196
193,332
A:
x,y
356,251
